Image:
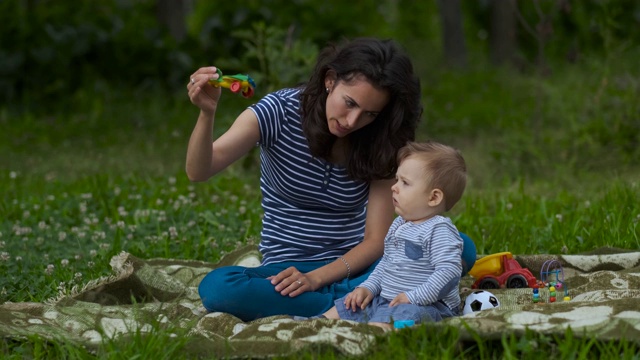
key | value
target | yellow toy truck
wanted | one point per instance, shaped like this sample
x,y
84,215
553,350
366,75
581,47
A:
x,y
501,270
238,83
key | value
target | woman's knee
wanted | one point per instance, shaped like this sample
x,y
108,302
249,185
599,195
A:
x,y
468,253
217,288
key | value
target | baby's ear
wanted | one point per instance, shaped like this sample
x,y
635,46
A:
x,y
436,196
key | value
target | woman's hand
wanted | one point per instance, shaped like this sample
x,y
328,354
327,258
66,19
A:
x,y
201,93
292,282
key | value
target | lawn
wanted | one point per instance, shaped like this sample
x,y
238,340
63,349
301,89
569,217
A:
x,y
553,162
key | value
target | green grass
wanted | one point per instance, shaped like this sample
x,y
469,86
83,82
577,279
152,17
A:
x,y
553,168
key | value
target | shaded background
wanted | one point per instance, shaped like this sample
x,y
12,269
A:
x,y
523,81
51,49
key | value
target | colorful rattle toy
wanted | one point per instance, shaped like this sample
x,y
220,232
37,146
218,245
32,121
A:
x,y
238,83
549,268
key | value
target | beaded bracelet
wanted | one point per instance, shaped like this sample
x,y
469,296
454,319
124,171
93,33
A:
x,y
348,267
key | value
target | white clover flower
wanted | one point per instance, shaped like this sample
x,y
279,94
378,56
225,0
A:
x,y
559,217
64,262
4,256
173,232
49,269
13,174
172,180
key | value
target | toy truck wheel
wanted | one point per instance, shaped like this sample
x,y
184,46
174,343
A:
x,y
248,93
488,283
517,281
235,87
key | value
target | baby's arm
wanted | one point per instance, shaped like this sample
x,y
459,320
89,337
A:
x,y
445,255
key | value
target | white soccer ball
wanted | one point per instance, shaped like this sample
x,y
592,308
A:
x,y
479,300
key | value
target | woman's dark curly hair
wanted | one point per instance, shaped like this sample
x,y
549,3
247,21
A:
x,y
371,153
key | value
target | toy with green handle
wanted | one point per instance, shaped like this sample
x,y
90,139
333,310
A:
x,y
238,83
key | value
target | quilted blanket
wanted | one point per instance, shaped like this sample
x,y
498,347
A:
x,y
147,295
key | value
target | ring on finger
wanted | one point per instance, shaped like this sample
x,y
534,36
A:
x,y
299,282
193,81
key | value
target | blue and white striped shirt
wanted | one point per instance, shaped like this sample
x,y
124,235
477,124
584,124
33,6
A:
x,y
422,260
312,210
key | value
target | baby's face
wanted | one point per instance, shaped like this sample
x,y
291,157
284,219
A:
x,y
410,193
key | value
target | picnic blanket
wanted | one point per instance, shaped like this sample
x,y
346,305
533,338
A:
x,y
150,295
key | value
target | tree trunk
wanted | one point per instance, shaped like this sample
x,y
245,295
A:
x,y
455,51
172,14
502,37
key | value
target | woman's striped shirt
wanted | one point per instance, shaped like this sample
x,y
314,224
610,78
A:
x,y
312,210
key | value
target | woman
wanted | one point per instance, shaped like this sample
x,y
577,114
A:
x,y
328,155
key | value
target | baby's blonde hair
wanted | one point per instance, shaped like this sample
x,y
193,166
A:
x,y
444,168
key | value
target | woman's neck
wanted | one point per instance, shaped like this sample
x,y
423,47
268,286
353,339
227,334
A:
x,y
339,152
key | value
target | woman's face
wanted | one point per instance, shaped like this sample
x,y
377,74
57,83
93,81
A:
x,y
352,106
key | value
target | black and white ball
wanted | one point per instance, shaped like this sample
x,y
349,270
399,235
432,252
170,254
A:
x,y
479,300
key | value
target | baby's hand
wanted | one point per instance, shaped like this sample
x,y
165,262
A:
x,y
358,298
400,299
